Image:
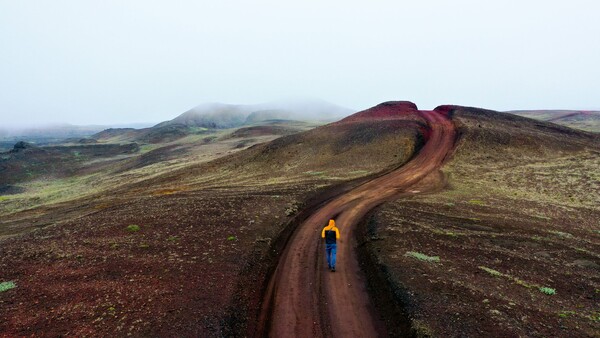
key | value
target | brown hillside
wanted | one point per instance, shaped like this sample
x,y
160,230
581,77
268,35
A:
x,y
520,213
339,151
578,119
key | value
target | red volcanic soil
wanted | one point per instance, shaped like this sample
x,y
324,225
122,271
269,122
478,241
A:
x,y
303,298
175,276
385,111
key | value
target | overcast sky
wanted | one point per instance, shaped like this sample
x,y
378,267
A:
x,y
104,62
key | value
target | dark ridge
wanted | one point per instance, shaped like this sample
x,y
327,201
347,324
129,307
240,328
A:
x,y
22,145
491,116
112,132
451,109
263,130
11,189
166,133
446,109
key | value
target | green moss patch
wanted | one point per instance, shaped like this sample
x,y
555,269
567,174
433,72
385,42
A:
x,y
422,257
5,286
133,228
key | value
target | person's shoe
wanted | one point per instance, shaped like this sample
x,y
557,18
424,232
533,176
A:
x,y
332,269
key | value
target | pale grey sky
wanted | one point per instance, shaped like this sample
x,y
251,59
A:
x,y
102,61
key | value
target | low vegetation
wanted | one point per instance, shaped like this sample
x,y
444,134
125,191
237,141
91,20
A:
x,y
547,290
422,257
5,286
133,228
492,271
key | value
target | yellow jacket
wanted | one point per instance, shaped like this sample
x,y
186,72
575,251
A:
x,y
330,227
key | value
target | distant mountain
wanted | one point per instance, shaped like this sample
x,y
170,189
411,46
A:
x,y
62,131
210,115
220,115
55,134
579,119
52,131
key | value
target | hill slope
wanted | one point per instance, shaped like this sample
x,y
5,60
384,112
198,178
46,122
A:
x,y
207,117
32,176
584,120
176,251
219,115
520,213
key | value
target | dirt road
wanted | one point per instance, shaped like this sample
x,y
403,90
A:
x,y
305,299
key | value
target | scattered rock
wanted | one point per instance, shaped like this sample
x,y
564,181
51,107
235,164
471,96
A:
x,y
495,312
263,240
21,146
543,254
476,227
584,263
291,210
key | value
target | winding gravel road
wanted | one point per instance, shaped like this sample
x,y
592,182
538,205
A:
x,y
303,298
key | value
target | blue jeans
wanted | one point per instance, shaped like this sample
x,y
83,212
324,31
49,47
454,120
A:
x,y
330,250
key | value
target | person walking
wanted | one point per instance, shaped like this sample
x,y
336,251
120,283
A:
x,y
331,235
